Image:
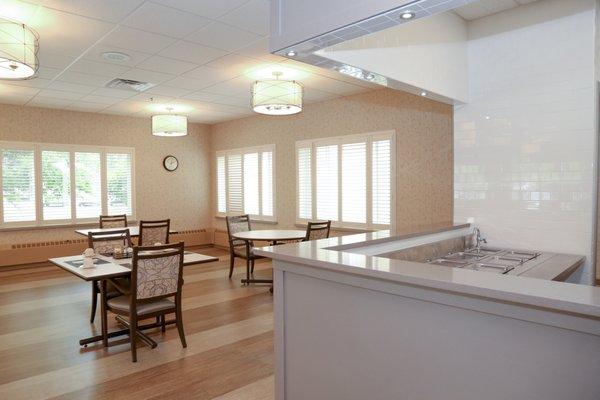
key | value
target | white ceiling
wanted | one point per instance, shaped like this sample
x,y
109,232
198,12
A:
x,y
203,55
483,8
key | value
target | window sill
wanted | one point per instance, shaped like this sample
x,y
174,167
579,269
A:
x,y
57,226
257,220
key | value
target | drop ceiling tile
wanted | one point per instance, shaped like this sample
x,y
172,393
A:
x,y
222,36
168,91
127,106
15,99
168,21
59,94
49,102
252,16
107,10
167,65
237,87
235,65
116,93
10,89
151,98
260,51
18,10
109,70
54,59
71,87
95,54
32,83
66,33
83,79
93,98
219,99
134,39
181,82
143,75
312,95
192,52
47,72
205,8
208,75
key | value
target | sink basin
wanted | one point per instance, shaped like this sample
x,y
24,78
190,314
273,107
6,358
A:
x,y
449,263
464,256
483,251
490,267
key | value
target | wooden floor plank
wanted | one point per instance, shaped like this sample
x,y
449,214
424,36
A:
x,y
43,313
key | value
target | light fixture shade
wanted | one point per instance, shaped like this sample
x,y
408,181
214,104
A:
x,y
18,50
169,125
277,97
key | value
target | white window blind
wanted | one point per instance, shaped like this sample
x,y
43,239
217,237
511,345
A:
x,y
221,194
304,183
119,183
18,185
56,185
346,179
245,179
88,185
381,181
327,182
354,182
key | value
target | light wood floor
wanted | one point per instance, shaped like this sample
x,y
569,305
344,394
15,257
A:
x,y
44,311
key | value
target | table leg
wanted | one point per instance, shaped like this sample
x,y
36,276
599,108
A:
x,y
103,311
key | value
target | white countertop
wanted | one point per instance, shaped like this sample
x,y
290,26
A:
x,y
567,297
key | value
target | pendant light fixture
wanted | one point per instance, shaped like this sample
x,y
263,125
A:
x,y
169,125
18,50
277,97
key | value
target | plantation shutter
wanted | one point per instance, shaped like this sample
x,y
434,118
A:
x,y
56,185
119,183
88,185
18,185
354,182
304,183
381,181
327,182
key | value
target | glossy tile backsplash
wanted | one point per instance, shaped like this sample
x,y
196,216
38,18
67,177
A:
x,y
525,142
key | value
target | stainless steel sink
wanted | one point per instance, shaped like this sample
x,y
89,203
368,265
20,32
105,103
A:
x,y
464,256
497,261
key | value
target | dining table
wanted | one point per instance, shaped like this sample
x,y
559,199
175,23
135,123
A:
x,y
273,236
107,267
134,231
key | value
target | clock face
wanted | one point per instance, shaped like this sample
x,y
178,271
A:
x,y
170,163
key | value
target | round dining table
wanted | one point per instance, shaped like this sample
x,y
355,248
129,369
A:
x,y
273,236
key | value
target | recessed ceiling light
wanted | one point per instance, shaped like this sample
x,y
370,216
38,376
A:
x,y
423,94
406,15
291,53
370,77
116,56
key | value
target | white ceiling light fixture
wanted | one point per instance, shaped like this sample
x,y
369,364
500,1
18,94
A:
x,y
277,97
18,50
169,125
406,15
116,56
291,53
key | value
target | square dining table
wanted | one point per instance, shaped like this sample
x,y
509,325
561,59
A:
x,y
108,267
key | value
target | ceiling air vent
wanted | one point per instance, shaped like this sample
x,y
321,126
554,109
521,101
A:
x,y
128,84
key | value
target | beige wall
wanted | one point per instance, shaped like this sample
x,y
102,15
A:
x,y
180,195
424,148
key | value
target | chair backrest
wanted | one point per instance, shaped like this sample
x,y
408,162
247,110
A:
x,y
317,230
157,271
152,232
113,221
104,242
236,224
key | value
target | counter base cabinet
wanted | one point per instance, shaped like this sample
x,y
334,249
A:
x,y
342,337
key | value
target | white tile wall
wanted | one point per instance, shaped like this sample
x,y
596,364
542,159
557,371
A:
x,y
525,143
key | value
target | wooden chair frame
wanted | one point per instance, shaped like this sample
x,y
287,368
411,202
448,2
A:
x,y
233,242
165,250
113,218
155,224
317,226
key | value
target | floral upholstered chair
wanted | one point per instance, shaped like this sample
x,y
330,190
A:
x,y
152,232
113,221
155,290
317,230
237,247
104,243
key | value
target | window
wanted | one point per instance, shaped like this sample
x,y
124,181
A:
x,y
346,179
47,184
245,180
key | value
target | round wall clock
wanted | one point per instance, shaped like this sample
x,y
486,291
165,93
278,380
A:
x,y
170,163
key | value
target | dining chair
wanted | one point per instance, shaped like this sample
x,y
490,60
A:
x,y
237,247
317,230
155,290
103,243
152,232
113,221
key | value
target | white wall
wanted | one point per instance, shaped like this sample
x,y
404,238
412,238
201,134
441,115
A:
x,y
429,53
525,144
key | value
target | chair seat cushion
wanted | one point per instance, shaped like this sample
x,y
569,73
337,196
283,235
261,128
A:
x,y
121,303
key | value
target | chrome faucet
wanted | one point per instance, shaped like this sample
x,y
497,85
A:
x,y
478,239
